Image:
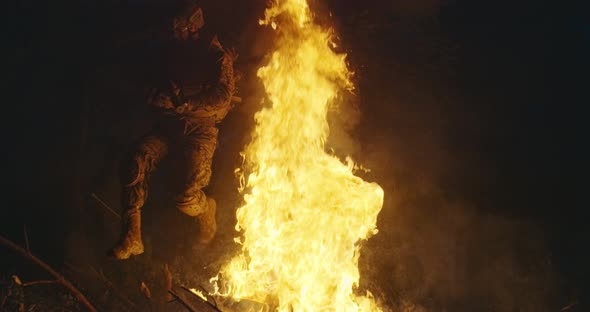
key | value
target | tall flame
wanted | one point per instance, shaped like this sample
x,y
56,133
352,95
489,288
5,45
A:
x,y
305,211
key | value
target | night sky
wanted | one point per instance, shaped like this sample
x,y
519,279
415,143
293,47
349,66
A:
x,y
472,115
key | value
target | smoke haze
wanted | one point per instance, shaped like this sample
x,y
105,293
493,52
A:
x,y
453,114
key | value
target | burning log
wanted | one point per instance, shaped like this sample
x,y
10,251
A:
x,y
60,279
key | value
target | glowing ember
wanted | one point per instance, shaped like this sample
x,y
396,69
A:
x,y
305,212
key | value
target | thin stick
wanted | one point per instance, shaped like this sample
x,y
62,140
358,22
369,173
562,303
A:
x,y
59,278
104,205
184,303
41,282
26,238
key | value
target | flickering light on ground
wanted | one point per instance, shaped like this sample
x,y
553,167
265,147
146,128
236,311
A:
x,y
304,210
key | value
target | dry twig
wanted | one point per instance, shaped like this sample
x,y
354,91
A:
x,y
104,205
59,278
26,238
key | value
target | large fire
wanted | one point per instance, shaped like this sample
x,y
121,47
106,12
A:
x,y
305,212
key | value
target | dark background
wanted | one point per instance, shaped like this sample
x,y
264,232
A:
x,y
471,115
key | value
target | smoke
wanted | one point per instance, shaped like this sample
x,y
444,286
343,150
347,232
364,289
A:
x,y
445,242
448,254
439,247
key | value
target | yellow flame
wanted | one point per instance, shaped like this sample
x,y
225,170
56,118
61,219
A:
x,y
305,211
198,293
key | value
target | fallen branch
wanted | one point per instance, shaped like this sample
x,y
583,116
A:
x,y
59,278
